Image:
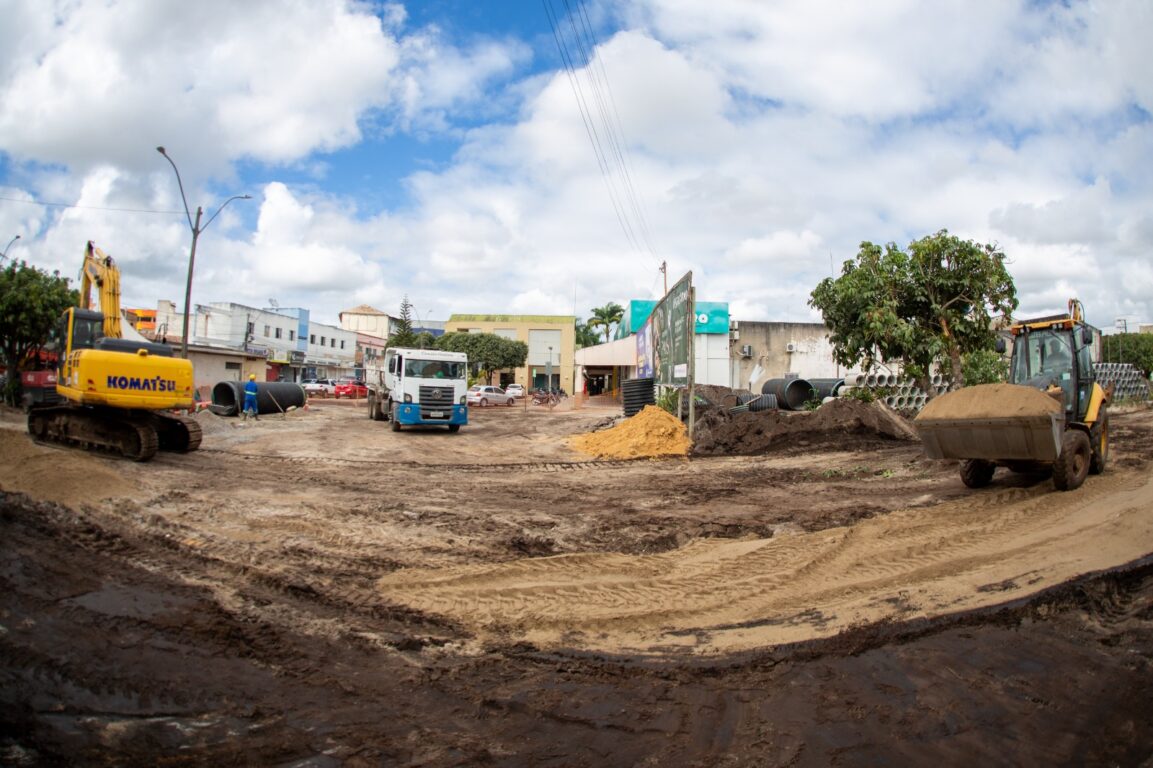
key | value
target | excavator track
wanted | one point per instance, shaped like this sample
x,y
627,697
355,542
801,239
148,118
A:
x,y
181,434
135,435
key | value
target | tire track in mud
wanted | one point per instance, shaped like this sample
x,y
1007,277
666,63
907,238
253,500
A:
x,y
471,468
732,595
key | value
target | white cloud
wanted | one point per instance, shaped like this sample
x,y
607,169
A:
x,y
760,143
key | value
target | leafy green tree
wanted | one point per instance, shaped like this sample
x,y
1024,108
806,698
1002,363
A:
x,y
487,352
1133,348
929,305
31,301
984,366
606,317
586,335
403,335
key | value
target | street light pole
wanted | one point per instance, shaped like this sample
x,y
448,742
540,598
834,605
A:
x,y
196,230
4,253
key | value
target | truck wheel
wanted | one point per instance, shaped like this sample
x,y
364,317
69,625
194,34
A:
x,y
1099,437
977,473
1071,467
392,417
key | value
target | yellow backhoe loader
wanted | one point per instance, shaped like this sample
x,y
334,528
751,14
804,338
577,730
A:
x,y
120,395
1052,415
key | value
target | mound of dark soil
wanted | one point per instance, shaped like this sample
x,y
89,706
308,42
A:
x,y
850,423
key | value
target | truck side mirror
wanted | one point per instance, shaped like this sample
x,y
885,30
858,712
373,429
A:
x,y
999,345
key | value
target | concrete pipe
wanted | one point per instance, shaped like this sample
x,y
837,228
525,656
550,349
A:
x,y
271,397
791,394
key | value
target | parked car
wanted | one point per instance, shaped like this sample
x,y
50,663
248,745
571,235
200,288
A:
x,y
350,388
516,390
482,395
319,387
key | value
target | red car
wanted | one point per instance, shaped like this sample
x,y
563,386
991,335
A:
x,y
350,388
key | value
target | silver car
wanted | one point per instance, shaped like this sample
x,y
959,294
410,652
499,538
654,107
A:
x,y
483,394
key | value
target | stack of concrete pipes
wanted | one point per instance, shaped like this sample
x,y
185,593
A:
x,y
901,393
1127,381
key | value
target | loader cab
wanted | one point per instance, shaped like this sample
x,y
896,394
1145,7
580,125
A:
x,y
1056,356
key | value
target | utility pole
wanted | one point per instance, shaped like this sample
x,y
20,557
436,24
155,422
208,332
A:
x,y
665,272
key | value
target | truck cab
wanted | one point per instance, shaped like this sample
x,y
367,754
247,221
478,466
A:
x,y
414,387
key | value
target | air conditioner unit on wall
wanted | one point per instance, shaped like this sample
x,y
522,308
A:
x,y
747,350
791,346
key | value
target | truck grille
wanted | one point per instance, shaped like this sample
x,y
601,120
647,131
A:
x,y
436,398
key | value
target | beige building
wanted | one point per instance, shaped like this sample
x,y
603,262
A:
x,y
551,341
367,320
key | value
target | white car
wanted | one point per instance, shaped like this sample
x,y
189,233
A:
x,y
483,394
319,387
516,390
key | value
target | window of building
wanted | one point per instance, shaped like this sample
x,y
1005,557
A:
x,y
322,341
278,333
342,343
233,366
251,329
267,331
312,338
292,335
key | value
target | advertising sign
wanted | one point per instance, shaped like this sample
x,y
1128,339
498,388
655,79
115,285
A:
x,y
671,326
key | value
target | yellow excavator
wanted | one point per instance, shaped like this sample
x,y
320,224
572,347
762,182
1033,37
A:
x,y
120,395
1052,415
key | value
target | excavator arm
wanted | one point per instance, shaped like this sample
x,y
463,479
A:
x,y
101,271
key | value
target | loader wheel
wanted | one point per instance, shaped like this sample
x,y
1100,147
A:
x,y
977,473
1099,437
1072,466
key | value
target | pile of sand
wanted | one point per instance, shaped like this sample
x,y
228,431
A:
x,y
651,432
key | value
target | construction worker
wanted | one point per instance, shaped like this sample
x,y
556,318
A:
x,y
250,397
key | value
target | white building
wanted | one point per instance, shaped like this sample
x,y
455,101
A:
x,y
293,347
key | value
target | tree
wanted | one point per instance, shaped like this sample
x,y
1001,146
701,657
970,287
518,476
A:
x,y
927,306
1133,348
586,335
404,335
31,301
487,352
606,317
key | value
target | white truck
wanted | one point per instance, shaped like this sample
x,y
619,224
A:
x,y
419,387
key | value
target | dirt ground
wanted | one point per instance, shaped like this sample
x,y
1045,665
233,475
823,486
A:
x,y
314,589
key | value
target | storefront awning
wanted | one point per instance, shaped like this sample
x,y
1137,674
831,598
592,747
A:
x,y
622,352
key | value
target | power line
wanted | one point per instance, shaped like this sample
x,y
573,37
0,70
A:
x,y
601,120
88,207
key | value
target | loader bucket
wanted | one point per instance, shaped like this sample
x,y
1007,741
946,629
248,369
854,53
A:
x,y
994,422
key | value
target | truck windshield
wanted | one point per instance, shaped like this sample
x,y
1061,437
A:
x,y
434,369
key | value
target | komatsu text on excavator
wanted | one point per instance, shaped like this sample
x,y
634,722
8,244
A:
x,y
1051,415
120,395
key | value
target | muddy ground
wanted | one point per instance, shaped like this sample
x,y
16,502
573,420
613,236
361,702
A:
x,y
317,590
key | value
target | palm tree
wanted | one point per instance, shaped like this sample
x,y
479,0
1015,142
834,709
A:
x,y
606,317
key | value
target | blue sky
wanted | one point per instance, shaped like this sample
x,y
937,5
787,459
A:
x,y
441,150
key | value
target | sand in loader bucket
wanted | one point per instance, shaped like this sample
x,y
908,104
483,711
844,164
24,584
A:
x,y
990,401
993,422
